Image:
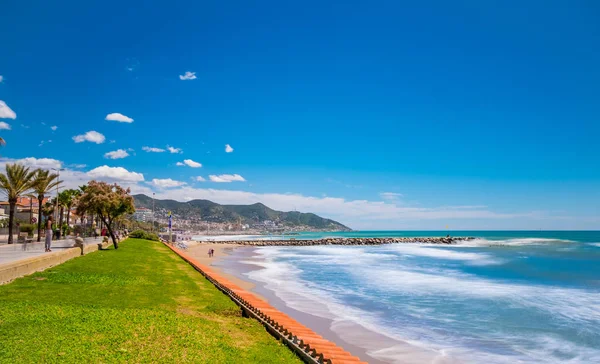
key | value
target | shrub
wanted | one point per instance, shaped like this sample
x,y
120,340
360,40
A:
x,y
66,229
27,228
78,230
141,234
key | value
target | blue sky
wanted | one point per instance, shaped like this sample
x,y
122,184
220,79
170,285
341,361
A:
x,y
383,115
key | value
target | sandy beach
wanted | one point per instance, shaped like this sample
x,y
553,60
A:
x,y
199,250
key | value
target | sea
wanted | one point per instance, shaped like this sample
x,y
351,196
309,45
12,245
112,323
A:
x,y
504,297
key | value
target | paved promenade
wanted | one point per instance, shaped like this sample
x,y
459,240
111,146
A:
x,y
15,252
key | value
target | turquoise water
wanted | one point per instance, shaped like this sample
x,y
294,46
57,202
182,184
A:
x,y
506,297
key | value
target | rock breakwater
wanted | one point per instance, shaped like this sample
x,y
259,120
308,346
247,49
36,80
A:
x,y
349,241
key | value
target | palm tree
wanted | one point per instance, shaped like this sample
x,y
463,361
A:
x,y
80,192
73,197
17,180
66,199
43,183
31,196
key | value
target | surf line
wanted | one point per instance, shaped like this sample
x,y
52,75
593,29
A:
x,y
309,346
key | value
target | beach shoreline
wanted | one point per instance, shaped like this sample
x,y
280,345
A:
x,y
229,261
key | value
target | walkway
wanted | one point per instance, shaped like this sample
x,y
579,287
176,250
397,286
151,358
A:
x,y
15,252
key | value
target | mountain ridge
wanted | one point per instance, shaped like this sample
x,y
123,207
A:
x,y
257,213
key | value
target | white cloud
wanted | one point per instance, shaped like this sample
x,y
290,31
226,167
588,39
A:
x,y
54,127
226,178
174,150
78,166
353,212
43,163
188,76
359,214
390,196
190,163
115,174
200,179
228,148
119,117
152,150
6,112
90,136
117,154
4,126
180,164
166,183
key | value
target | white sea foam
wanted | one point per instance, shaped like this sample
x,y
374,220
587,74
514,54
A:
x,y
231,237
596,244
510,242
566,303
436,251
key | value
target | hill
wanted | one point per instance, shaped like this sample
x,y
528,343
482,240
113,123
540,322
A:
x,y
205,210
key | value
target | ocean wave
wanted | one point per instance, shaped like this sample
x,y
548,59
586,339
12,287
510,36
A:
x,y
570,304
231,237
432,300
479,242
436,251
596,244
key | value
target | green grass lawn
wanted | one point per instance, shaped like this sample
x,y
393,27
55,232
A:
x,y
140,303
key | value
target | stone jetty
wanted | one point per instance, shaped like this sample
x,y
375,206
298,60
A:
x,y
348,241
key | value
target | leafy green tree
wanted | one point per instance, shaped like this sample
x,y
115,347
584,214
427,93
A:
x,y
17,180
43,183
107,201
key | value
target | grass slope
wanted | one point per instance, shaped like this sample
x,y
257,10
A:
x,y
140,303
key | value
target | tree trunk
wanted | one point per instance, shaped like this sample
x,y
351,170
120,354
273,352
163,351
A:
x,y
68,214
110,231
40,199
11,220
60,219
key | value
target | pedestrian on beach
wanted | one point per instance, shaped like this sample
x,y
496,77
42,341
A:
x,y
48,234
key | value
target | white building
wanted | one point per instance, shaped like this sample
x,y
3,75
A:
x,y
143,214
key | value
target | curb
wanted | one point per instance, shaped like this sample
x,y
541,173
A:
x,y
24,267
309,346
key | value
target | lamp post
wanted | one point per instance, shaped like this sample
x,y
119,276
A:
x,y
55,214
152,227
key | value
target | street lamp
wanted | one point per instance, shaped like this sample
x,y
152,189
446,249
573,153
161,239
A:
x,y
152,227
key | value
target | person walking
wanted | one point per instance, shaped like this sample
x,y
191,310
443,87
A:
x,y
48,234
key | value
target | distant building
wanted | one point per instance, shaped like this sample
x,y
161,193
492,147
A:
x,y
142,214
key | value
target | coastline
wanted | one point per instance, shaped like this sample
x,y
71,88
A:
x,y
430,303
366,344
224,266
